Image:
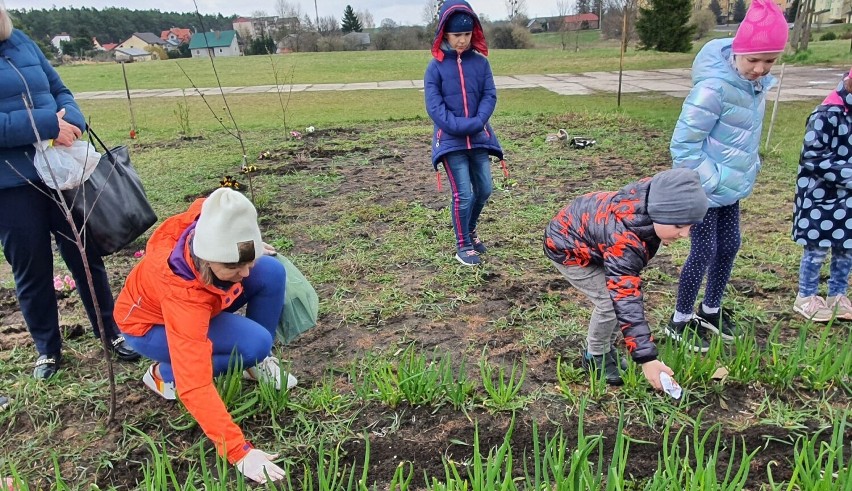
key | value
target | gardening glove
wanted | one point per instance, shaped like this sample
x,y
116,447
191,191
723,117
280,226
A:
x,y
652,370
257,465
67,131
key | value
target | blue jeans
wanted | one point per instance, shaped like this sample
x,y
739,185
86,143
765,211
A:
x,y
469,172
251,335
812,259
29,223
713,246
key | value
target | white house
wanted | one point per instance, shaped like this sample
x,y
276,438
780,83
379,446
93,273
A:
x,y
59,38
216,43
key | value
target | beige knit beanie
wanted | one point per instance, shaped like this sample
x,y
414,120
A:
x,y
227,219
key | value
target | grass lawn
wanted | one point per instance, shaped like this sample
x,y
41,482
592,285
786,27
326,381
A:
x,y
340,67
584,52
422,374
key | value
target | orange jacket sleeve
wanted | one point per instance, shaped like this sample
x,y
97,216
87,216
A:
x,y
187,321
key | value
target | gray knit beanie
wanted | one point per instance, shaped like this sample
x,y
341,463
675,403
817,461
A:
x,y
677,198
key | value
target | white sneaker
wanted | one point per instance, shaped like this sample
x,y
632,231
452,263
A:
x,y
840,306
166,390
269,370
813,308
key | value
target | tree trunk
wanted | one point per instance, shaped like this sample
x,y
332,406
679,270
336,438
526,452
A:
x,y
802,27
806,29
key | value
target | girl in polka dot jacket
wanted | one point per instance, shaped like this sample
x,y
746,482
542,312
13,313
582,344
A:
x,y
822,218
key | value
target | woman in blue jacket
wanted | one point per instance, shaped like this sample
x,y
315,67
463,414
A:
x,y
460,98
30,215
718,135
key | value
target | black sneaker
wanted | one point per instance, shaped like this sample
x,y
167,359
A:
x,y
122,351
46,366
719,323
608,363
691,334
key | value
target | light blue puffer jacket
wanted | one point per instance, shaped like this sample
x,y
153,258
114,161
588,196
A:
x,y
718,132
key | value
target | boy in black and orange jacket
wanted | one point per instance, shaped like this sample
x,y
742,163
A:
x,y
602,241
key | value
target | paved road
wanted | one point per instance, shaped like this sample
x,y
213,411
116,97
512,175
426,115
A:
x,y
800,83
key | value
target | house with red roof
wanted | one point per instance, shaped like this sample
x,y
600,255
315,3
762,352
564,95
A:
x,y
176,35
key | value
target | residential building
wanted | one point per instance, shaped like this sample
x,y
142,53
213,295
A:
x,y
176,36
254,27
576,22
215,43
833,11
356,40
132,54
729,5
142,40
58,39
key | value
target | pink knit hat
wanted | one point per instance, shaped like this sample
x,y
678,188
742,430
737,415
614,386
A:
x,y
764,29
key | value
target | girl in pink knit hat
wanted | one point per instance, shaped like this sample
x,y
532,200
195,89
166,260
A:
x,y
718,135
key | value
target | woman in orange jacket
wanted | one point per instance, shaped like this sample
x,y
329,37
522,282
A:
x,y
177,308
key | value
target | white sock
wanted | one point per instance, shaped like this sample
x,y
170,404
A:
x,y
681,317
714,310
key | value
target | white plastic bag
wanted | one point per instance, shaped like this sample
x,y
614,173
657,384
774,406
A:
x,y
71,166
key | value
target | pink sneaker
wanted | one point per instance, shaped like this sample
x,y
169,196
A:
x,y
840,306
813,308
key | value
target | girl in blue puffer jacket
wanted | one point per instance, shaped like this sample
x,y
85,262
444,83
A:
x,y
718,135
460,98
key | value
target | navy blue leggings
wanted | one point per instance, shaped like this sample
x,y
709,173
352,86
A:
x,y
714,245
29,223
251,336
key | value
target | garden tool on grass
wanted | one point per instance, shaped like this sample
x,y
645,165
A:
x,y
580,142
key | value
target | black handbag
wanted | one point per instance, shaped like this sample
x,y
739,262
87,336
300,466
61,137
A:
x,y
111,203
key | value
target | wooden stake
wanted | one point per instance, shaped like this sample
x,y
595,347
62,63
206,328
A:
x,y
774,107
129,103
623,47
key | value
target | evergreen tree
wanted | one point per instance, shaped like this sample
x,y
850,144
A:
x,y
261,46
110,25
739,11
584,6
665,25
350,22
716,8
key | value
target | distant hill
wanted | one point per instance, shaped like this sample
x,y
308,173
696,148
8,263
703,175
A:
x,y
110,25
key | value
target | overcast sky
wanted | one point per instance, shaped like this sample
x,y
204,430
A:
x,y
401,11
